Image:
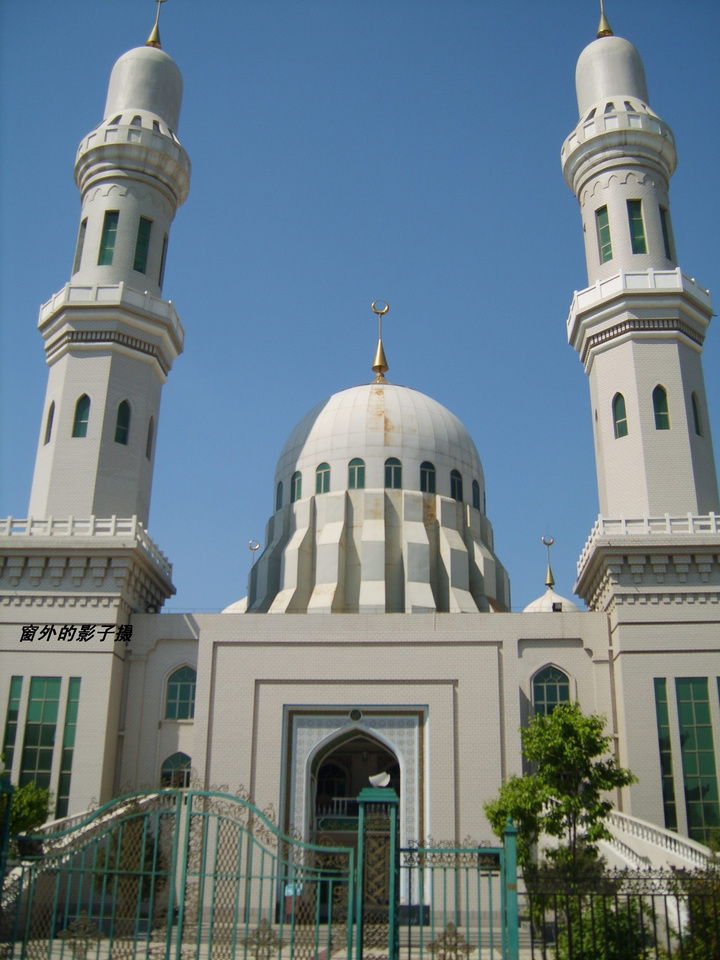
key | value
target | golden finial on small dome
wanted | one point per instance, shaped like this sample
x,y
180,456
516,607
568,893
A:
x,y
154,39
604,30
549,579
380,364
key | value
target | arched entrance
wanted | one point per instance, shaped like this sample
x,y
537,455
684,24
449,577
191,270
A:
x,y
338,772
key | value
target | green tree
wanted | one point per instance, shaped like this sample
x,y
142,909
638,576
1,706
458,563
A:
x,y
30,808
563,798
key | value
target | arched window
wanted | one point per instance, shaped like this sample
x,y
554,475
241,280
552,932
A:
x,y
180,701
279,496
456,491
150,438
697,422
620,423
49,422
176,772
322,478
356,474
332,783
660,406
393,473
136,122
427,477
122,424
82,416
296,487
550,687
476,494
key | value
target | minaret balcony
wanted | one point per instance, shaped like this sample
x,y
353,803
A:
x,y
637,302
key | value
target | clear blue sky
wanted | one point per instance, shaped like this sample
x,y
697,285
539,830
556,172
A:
x,y
343,151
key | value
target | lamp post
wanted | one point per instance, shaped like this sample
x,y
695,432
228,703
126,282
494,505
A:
x,y
6,792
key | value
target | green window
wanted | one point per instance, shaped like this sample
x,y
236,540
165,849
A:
x,y
180,702
698,757
79,246
279,496
39,741
107,240
697,422
11,722
476,494
660,406
296,487
142,245
456,485
176,771
393,473
620,424
550,687
603,232
82,416
427,477
637,227
122,423
68,747
49,422
665,224
356,474
322,478
163,257
666,765
149,440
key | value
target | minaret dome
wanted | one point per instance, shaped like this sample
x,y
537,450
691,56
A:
x,y
146,79
609,67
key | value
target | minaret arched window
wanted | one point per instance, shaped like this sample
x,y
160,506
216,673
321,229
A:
x,y
393,473
667,236
122,424
150,438
142,245
322,478
175,772
180,699
476,494
620,423
660,407
356,474
427,477
163,258
49,422
107,240
697,422
456,490
279,496
296,487
550,687
82,416
637,226
603,234
79,246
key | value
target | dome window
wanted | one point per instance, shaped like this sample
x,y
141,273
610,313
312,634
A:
x,y
136,121
550,687
476,495
279,496
122,423
296,486
322,478
156,126
660,407
116,120
82,416
456,490
427,477
610,107
620,423
393,474
356,474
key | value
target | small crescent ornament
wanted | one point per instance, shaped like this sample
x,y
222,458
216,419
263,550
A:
x,y
380,307
254,545
548,543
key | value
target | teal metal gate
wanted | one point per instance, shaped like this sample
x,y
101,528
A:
x,y
190,875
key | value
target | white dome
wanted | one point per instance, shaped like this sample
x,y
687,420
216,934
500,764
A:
x,y
551,602
609,67
374,422
146,79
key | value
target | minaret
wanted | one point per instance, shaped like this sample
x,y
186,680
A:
x,y
110,338
639,326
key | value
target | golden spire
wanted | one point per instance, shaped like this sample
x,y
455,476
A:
x,y
549,579
604,30
380,364
154,39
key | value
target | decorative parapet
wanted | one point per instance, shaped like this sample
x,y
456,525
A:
x,y
688,525
113,294
94,527
608,123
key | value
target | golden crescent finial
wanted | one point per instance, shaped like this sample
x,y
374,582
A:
x,y
549,579
154,39
380,364
604,30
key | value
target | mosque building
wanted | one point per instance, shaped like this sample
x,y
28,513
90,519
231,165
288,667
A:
x,y
418,669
